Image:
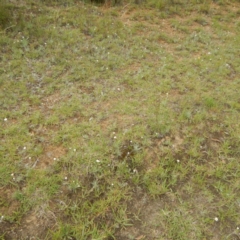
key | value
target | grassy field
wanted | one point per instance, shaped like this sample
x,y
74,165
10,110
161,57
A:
x,y
120,122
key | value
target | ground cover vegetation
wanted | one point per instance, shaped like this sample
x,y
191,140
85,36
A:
x,y
119,120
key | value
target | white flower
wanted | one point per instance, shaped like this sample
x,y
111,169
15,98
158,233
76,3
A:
x,y
24,148
74,150
178,160
65,178
115,137
5,119
54,159
98,161
216,219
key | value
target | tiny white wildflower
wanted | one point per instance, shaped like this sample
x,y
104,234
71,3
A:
x,y
5,119
238,228
135,170
65,178
74,150
29,158
98,161
178,160
24,148
112,184
216,219
12,174
209,53
54,159
118,89
115,137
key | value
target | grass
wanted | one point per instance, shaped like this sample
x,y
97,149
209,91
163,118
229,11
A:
x,y
121,121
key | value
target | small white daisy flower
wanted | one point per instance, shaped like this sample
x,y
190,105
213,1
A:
x,y
216,219
5,119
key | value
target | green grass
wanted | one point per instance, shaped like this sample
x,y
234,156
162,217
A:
x,y
121,121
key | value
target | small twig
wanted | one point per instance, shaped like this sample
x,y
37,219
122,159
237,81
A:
x,y
34,165
125,10
8,28
125,6
233,234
